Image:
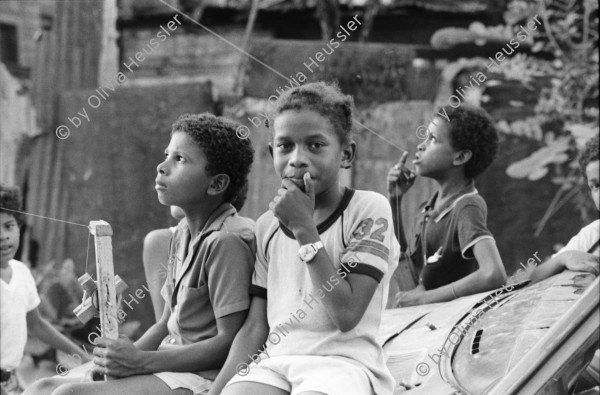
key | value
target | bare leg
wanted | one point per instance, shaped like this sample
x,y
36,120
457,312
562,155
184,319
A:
x,y
47,385
134,385
251,388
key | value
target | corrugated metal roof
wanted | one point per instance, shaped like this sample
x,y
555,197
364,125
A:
x,y
454,6
129,9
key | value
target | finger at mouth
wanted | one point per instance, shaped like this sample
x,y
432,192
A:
x,y
299,183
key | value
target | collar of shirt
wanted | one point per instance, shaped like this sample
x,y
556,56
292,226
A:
x,y
467,190
214,223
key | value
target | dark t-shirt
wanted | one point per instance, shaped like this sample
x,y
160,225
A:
x,y
457,227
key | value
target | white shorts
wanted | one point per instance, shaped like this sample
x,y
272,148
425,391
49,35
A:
x,y
300,373
190,381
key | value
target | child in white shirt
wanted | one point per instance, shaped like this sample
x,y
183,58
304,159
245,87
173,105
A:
x,y
19,300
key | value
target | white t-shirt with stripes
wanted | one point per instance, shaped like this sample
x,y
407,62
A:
x,y
359,238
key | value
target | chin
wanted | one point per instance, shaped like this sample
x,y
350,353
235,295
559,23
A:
x,y
164,201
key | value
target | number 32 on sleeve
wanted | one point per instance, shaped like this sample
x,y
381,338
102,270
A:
x,y
365,227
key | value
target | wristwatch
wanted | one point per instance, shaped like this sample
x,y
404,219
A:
x,y
307,252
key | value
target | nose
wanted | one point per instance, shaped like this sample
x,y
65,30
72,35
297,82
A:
x,y
298,157
160,169
421,147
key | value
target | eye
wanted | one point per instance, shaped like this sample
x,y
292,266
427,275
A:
x,y
594,187
180,158
284,146
316,145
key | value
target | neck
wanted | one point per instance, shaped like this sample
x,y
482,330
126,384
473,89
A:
x,y
451,185
4,264
327,201
197,216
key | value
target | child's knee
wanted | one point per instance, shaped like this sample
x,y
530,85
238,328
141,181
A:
x,y
68,389
42,386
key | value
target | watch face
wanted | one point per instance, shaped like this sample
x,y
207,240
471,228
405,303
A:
x,y
306,253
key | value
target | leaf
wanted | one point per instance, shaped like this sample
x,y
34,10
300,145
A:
x,y
580,130
538,173
477,27
502,126
519,170
537,47
534,167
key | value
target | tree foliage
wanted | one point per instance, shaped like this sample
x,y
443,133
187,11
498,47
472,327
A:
x,y
568,101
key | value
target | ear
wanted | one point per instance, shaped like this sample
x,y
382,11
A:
x,y
348,154
462,157
271,149
218,184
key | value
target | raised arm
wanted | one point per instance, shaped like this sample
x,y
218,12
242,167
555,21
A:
x,y
347,302
399,180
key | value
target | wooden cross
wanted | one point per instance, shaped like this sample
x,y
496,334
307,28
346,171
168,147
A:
x,y
100,297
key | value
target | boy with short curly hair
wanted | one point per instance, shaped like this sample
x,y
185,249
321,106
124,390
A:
x,y
450,243
210,262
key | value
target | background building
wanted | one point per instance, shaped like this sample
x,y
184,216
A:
x,y
75,64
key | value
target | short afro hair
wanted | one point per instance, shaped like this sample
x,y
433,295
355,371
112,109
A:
x,y
11,201
589,154
324,98
225,151
471,128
